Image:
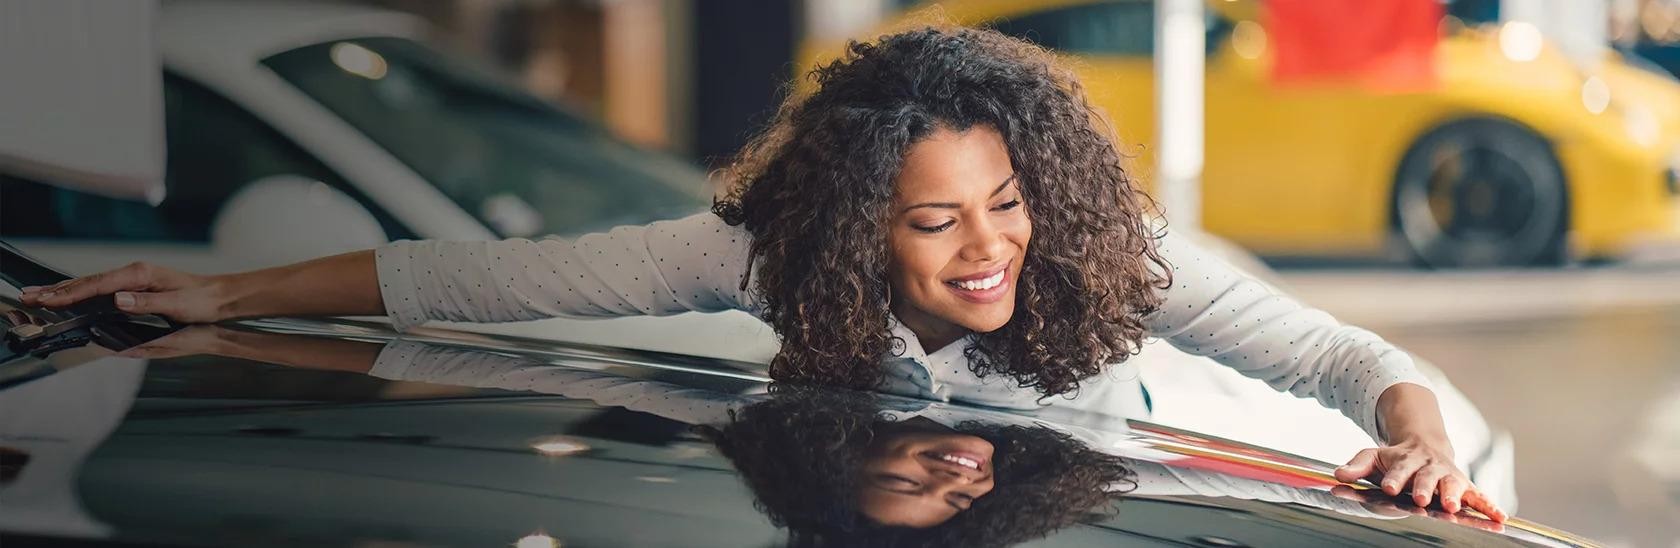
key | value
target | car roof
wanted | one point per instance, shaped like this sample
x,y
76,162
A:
x,y
211,32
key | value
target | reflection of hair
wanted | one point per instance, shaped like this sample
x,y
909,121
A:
x,y
815,190
801,453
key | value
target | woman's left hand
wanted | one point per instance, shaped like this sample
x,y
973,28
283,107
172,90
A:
x,y
1427,469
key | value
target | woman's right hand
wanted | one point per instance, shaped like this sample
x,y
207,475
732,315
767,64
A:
x,y
141,288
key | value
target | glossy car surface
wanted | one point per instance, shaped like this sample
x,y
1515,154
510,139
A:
x,y
512,441
1592,148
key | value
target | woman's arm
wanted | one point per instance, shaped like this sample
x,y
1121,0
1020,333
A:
x,y
1214,310
343,284
667,267
1417,456
1217,311
289,350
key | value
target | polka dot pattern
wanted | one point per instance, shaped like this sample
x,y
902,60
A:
x,y
657,269
1217,311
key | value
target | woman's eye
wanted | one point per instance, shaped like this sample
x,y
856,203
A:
x,y
934,229
900,481
1012,204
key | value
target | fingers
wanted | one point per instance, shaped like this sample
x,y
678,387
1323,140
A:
x,y
1425,483
1363,464
1452,492
166,304
136,276
1397,476
1481,503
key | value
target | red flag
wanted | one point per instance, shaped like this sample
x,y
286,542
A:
x,y
1383,44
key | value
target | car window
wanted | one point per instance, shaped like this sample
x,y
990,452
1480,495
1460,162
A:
x,y
214,149
1124,28
519,165
1105,28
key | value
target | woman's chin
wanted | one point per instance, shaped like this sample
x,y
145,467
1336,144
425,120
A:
x,y
987,321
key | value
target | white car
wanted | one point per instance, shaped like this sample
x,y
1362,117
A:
x,y
298,130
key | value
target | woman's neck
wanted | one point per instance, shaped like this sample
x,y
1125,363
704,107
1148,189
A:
x,y
933,333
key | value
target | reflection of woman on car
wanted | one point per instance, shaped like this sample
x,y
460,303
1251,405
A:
x,y
833,467
882,226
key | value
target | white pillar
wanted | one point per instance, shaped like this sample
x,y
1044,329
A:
x,y
1180,51
833,20
1580,28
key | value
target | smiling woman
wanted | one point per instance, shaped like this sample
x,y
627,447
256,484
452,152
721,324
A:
x,y
945,217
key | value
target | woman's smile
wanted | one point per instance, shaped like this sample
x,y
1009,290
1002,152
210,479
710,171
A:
x,y
983,288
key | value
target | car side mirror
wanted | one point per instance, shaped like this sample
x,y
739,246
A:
x,y
284,219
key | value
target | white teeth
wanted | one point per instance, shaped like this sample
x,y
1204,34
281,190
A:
x,y
961,461
982,284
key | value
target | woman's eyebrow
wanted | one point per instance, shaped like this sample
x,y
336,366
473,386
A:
x,y
954,205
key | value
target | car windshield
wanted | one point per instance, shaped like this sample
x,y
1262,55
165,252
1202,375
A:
x,y
519,165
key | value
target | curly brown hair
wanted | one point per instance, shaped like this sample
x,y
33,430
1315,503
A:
x,y
815,190
801,453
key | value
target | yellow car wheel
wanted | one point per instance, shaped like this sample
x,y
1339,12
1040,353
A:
x,y
1481,193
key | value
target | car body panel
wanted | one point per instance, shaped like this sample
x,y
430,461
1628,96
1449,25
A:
x,y
206,450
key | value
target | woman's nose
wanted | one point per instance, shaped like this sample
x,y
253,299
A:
x,y
983,242
950,476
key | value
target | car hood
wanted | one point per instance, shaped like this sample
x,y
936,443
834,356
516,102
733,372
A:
x,y
462,439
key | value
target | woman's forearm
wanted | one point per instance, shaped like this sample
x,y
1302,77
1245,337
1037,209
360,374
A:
x,y
339,285
1409,412
296,351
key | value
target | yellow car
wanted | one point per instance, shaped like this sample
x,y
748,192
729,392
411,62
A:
x,y
1518,156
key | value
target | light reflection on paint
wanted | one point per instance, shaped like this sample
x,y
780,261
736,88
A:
x,y
1520,41
537,540
358,60
1595,95
558,446
1248,39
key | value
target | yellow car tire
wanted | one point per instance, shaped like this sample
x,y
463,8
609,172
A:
x,y
1480,193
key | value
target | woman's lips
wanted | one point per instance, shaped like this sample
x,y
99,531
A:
x,y
995,284
967,462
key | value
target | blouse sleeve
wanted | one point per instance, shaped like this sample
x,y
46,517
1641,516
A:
x,y
1158,479
403,360
667,267
1214,310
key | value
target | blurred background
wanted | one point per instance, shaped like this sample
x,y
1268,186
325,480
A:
x,y
1494,185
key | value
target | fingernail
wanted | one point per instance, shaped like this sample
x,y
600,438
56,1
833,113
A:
x,y
31,288
125,300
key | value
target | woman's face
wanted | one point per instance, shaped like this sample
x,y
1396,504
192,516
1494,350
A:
x,y
920,474
959,234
